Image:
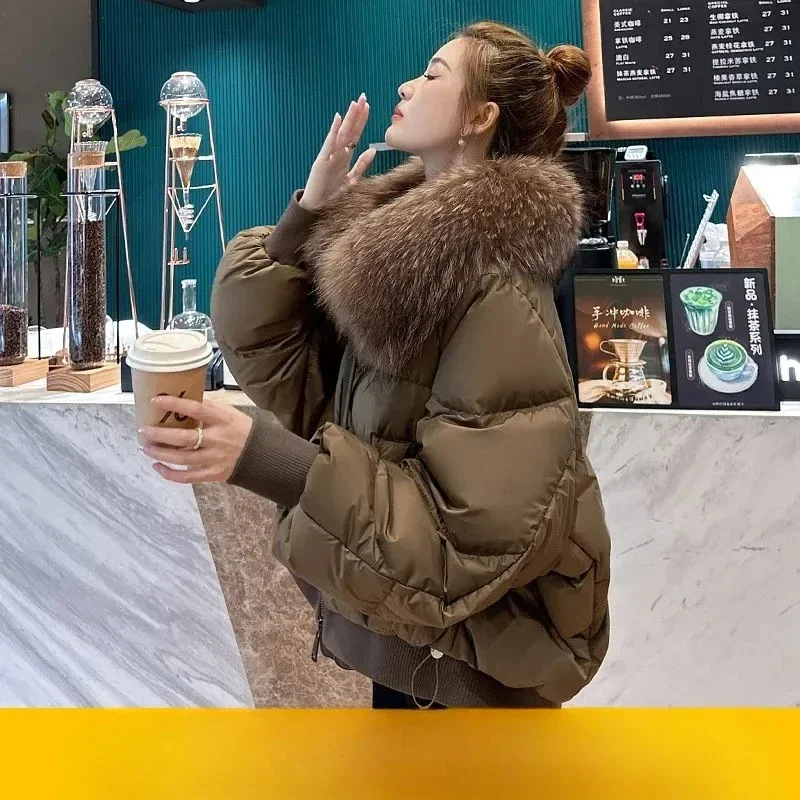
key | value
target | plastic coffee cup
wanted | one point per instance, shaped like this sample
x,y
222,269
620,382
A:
x,y
171,362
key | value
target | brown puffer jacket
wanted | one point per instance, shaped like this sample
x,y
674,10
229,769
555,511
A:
x,y
448,507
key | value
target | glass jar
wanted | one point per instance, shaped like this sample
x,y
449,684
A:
x,y
190,318
13,263
86,255
626,258
185,96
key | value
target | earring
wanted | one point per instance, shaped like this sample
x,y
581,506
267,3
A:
x,y
462,141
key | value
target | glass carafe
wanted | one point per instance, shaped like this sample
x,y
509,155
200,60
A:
x,y
13,263
190,318
86,255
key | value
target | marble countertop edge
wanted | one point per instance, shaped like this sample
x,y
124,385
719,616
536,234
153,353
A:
x,y
36,393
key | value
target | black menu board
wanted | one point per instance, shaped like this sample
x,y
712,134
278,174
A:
x,y
620,342
693,339
693,59
700,58
722,336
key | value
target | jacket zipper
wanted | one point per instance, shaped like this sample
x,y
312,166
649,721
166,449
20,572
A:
x,y
318,636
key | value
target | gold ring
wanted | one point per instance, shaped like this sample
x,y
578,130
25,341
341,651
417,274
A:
x,y
352,146
199,443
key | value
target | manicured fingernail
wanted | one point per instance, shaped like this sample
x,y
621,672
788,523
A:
x,y
363,96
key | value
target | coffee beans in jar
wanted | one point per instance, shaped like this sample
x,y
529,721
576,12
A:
x,y
87,292
13,335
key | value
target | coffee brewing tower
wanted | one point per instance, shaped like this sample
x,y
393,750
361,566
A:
x,y
89,107
184,98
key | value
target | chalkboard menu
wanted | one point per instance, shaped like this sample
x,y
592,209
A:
x,y
733,64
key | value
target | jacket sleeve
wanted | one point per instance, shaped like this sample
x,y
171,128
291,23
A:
x,y
485,506
280,347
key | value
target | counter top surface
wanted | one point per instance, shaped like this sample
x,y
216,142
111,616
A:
x,y
36,392
369,755
120,589
108,591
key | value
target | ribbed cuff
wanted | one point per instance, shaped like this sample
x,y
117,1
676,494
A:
x,y
291,232
275,462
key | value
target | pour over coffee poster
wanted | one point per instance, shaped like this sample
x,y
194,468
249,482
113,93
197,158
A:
x,y
724,357
622,343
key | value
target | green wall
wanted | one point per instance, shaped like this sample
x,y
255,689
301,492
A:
x,y
277,75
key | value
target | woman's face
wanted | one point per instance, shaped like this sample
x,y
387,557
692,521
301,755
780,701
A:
x,y
429,117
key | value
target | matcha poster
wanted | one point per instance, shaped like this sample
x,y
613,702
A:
x,y
621,339
722,336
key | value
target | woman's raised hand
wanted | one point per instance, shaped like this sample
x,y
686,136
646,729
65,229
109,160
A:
x,y
332,170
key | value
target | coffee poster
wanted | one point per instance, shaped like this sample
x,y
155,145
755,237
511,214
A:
x,y
622,347
724,351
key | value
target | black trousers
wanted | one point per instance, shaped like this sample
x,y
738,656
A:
x,y
384,698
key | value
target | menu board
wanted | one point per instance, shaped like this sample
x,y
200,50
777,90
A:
x,y
693,66
693,339
621,339
721,330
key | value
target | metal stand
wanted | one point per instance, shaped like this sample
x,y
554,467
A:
x,y
183,215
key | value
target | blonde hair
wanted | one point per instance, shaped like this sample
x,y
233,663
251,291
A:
x,y
533,89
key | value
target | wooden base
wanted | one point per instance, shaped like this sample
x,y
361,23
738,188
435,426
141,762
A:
x,y
30,370
88,380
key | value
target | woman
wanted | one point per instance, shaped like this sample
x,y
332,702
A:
x,y
445,524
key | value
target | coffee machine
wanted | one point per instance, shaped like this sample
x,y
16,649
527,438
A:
x,y
641,204
594,169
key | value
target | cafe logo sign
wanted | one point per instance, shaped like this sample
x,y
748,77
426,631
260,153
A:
x,y
787,345
789,369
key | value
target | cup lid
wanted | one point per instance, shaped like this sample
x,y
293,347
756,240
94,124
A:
x,y
170,351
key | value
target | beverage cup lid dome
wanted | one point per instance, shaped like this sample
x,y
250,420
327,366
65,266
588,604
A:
x,y
170,351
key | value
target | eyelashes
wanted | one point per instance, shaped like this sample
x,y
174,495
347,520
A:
x,y
428,77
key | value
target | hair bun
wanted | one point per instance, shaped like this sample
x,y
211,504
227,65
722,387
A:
x,y
572,71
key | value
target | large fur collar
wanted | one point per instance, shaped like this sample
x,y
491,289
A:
x,y
395,253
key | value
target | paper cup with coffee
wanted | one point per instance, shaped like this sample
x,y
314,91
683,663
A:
x,y
171,362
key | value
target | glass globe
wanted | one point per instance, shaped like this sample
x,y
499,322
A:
x,y
90,103
184,95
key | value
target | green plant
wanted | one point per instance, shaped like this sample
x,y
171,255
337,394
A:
x,y
47,173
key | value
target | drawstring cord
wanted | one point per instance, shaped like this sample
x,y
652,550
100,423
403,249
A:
x,y
436,655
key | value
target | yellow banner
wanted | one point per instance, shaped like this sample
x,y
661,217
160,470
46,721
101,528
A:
x,y
368,755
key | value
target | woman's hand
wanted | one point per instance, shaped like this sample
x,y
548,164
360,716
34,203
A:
x,y
331,171
225,434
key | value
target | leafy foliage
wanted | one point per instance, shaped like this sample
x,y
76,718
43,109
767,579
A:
x,y
47,172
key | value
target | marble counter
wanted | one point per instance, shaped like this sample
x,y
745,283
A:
x,y
705,516
119,589
108,591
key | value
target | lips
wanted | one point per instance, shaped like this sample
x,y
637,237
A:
x,y
398,114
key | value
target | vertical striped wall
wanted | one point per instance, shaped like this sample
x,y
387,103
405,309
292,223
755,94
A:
x,y
276,76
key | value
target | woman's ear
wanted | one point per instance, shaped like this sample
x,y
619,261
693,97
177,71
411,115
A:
x,y
486,118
